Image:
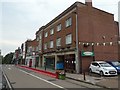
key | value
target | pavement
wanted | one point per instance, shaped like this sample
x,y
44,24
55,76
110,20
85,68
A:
x,y
111,82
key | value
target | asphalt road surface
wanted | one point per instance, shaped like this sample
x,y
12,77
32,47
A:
x,y
0,76
22,78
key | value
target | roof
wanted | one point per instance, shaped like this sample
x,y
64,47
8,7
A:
x,y
65,12
99,61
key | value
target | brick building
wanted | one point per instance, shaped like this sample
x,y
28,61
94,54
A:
x,y
31,52
79,35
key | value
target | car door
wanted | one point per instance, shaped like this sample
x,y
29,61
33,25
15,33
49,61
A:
x,y
97,68
93,67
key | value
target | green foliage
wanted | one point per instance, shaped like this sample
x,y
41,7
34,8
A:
x,y
8,58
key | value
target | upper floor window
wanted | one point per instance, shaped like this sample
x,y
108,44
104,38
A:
x,y
37,38
37,49
69,39
45,46
59,27
51,44
51,31
40,44
68,22
46,34
40,36
33,48
29,49
58,42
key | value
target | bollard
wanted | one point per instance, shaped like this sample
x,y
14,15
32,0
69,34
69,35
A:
x,y
57,75
84,76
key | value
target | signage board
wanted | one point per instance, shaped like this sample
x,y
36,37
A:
x,y
87,53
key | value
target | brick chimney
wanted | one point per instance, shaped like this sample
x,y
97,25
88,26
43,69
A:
x,y
88,3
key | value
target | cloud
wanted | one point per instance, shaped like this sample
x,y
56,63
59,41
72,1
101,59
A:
x,y
9,42
22,18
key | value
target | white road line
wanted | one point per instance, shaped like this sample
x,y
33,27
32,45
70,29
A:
x,y
7,81
9,68
43,79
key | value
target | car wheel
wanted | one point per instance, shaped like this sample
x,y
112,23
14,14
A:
x,y
101,73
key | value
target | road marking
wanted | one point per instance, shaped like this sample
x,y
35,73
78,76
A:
x,y
9,68
43,80
7,81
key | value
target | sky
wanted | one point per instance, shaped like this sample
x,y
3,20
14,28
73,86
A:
x,y
20,19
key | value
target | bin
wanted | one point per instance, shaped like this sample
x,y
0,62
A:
x,y
62,76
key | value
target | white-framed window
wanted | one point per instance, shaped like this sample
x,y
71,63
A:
x,y
40,44
30,49
45,46
37,38
68,22
33,48
40,36
46,34
69,39
58,42
37,49
51,44
59,27
51,31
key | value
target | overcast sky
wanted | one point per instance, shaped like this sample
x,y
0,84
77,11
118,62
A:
x,y
20,19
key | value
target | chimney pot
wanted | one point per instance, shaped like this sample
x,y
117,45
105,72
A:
x,y
88,2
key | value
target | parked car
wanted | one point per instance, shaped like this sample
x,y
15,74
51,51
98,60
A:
x,y
115,64
102,68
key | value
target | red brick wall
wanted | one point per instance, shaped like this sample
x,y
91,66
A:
x,y
93,24
61,34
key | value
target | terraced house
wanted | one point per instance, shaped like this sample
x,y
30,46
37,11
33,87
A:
x,y
79,35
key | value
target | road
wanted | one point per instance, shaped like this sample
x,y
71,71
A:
x,y
22,78
0,76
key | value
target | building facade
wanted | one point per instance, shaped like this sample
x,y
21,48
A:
x,y
31,52
79,35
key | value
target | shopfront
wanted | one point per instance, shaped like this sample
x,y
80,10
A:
x,y
69,61
49,62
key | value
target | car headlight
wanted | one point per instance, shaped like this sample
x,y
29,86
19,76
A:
x,y
117,67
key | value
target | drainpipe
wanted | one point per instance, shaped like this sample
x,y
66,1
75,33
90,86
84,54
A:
x,y
118,39
77,46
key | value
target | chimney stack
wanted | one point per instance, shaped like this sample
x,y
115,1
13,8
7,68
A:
x,y
88,3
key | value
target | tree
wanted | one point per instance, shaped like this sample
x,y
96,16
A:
x,y
8,58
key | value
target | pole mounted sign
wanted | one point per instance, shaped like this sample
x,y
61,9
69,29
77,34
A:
x,y
87,53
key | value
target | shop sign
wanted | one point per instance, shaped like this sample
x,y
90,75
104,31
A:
x,y
87,53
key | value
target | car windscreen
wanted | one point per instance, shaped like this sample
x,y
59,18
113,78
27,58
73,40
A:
x,y
117,64
105,65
